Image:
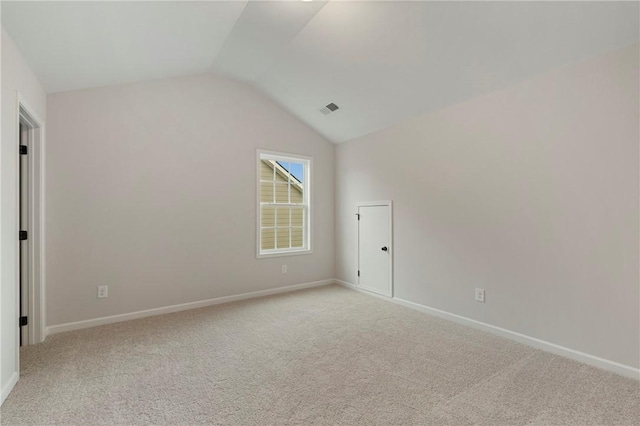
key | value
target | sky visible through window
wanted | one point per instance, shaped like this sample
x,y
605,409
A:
x,y
296,169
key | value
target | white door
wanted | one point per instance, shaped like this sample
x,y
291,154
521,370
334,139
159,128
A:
x,y
374,247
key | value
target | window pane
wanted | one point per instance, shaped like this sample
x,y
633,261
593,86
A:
x,y
285,166
266,192
266,170
283,238
297,171
283,216
283,172
296,216
296,237
280,177
297,195
282,192
268,217
268,239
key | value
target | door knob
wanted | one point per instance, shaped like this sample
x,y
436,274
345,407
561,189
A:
x,y
385,249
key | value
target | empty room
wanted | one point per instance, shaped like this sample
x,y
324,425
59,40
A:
x,y
189,192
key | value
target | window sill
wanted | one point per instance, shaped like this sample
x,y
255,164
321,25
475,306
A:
x,y
284,253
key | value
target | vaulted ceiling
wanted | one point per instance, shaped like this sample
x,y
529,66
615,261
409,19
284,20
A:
x,y
380,62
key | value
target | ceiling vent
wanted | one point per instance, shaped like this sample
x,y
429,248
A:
x,y
326,110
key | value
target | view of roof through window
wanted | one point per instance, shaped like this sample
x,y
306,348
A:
x,y
296,169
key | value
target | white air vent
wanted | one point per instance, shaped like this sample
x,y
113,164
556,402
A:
x,y
328,109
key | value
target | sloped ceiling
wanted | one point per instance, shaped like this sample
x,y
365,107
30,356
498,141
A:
x,y
381,62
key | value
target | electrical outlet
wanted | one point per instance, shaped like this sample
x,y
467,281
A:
x,y
103,291
480,295
284,269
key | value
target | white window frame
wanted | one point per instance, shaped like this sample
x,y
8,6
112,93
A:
x,y
307,181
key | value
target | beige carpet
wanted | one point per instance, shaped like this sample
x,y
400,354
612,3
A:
x,y
322,356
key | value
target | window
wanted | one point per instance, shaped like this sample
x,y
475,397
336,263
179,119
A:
x,y
283,204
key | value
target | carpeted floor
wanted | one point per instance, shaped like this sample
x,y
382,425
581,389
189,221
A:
x,y
327,356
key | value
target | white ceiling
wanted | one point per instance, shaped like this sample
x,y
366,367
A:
x,y
381,62
81,44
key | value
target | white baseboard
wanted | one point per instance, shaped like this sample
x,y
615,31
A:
x,y
59,328
585,358
362,290
348,285
6,389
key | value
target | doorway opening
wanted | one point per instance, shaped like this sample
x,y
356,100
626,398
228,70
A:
x,y
31,226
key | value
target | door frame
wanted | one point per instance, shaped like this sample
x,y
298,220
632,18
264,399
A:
x,y
36,223
389,204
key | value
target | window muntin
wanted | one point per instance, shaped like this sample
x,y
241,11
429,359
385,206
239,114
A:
x,y
283,204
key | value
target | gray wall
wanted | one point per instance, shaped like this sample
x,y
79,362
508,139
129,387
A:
x,y
530,193
151,191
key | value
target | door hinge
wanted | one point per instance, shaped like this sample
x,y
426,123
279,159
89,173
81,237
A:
x,y
23,150
358,215
24,321
358,273
23,235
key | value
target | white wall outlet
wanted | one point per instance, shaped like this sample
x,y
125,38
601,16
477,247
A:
x,y
103,291
284,269
480,295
